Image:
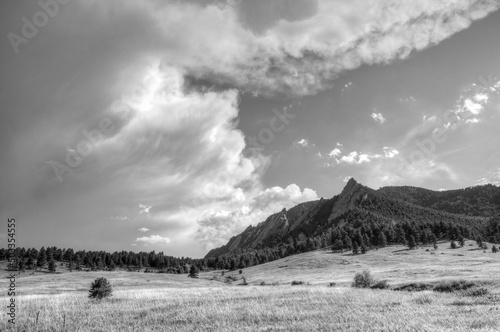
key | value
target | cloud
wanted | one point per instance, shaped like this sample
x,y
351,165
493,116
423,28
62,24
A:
x,y
301,143
335,152
293,47
390,152
120,218
144,230
153,239
492,177
217,226
378,117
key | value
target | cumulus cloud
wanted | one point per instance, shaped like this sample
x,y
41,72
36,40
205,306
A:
x,y
153,239
297,47
143,229
216,227
335,152
301,143
378,117
390,152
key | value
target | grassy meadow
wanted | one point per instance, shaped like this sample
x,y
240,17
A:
x,y
163,302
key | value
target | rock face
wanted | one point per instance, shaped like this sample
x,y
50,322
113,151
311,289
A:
x,y
355,202
291,223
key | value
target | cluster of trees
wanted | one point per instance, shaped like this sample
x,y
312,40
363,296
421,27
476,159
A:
x,y
367,236
32,258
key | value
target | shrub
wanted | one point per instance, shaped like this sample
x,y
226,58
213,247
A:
x,y
477,292
424,299
241,271
100,289
381,284
453,245
454,285
494,249
363,279
193,272
414,287
295,283
332,284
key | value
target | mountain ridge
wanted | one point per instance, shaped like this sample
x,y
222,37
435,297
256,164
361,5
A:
x,y
467,207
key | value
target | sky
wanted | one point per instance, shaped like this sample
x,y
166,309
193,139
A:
x,y
174,125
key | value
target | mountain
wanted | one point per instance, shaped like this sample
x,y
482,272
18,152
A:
x,y
357,204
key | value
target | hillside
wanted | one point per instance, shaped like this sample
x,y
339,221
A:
x,y
397,264
358,205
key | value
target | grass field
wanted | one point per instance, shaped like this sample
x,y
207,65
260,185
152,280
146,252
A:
x,y
160,302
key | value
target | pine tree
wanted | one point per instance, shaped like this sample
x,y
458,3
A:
x,y
364,249
42,258
382,241
355,247
411,242
52,266
100,289
193,272
348,243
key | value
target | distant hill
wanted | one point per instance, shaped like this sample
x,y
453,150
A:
x,y
358,205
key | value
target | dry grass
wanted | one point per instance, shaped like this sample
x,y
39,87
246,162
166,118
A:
x,y
160,302
254,308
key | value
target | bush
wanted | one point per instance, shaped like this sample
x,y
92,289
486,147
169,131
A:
x,y
381,284
452,286
424,299
363,279
414,287
332,284
477,292
100,289
295,283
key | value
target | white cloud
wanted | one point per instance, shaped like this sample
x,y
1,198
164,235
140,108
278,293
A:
x,y
297,47
474,108
153,239
378,117
303,143
390,152
335,152
143,229
217,226
358,158
144,209
120,218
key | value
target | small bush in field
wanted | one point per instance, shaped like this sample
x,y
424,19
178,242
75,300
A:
x,y
424,299
100,288
295,283
381,284
363,279
332,284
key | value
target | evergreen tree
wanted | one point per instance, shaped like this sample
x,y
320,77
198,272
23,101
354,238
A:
x,y
348,243
52,266
364,249
382,241
355,247
100,289
411,242
42,258
193,272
